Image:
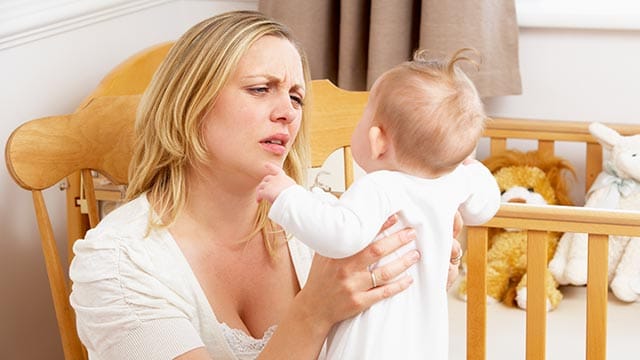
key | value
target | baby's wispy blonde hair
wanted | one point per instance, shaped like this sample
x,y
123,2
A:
x,y
431,110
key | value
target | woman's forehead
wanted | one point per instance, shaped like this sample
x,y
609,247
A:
x,y
272,57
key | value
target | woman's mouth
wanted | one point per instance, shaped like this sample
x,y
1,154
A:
x,y
276,144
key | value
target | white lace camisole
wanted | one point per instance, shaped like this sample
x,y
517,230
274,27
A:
x,y
243,346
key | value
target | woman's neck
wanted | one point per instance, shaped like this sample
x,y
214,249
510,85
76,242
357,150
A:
x,y
222,206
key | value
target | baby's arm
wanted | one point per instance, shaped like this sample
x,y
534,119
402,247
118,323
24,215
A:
x,y
484,199
333,229
318,220
273,183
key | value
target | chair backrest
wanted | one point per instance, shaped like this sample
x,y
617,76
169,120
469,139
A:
x,y
42,152
333,117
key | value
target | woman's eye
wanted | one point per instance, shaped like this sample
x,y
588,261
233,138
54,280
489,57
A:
x,y
259,89
297,100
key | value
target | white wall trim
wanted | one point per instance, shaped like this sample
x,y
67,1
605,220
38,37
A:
x,y
579,14
22,22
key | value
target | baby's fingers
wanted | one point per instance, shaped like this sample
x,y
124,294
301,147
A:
x,y
262,190
272,169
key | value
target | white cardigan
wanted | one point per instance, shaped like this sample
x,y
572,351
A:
x,y
135,297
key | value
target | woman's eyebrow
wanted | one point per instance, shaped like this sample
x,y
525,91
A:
x,y
272,79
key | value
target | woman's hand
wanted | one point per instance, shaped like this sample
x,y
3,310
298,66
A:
x,y
456,251
337,289
454,263
340,288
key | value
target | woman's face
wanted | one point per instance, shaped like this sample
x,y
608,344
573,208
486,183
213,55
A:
x,y
257,114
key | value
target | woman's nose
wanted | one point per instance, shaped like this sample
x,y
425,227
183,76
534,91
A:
x,y
284,110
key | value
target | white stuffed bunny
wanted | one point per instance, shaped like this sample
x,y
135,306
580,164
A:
x,y
616,187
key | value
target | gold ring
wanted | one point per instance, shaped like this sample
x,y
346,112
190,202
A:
x,y
373,279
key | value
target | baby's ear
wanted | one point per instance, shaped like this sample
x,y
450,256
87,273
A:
x,y
378,142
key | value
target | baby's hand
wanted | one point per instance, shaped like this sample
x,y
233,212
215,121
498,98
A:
x,y
273,183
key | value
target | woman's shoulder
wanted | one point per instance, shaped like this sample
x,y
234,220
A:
x,y
130,218
125,230
132,285
119,228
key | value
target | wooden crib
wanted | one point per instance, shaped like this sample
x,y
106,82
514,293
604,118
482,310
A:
x,y
538,220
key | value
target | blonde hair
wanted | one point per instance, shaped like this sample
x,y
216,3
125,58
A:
x,y
432,112
169,124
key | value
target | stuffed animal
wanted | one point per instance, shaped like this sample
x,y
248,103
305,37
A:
x,y
616,187
531,178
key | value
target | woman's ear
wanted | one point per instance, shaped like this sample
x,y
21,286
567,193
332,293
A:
x,y
378,142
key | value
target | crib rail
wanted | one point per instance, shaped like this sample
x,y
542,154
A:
x,y
547,133
537,220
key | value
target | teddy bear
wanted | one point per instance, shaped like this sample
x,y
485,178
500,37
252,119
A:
x,y
616,187
530,177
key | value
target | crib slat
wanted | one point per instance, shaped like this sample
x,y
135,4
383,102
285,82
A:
x,y
497,145
477,240
597,287
593,164
547,146
536,299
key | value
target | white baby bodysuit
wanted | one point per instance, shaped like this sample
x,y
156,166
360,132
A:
x,y
414,323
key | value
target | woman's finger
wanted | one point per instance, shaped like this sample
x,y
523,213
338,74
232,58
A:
x,y
458,223
344,287
385,246
456,253
382,292
391,220
454,263
454,271
387,273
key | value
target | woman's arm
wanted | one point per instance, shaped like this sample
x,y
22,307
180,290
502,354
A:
x,y
338,289
200,353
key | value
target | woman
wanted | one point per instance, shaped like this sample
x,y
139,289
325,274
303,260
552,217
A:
x,y
190,267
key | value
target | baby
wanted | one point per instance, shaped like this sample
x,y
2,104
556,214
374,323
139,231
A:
x,y
415,140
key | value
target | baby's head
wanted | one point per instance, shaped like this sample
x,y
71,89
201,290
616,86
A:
x,y
425,116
